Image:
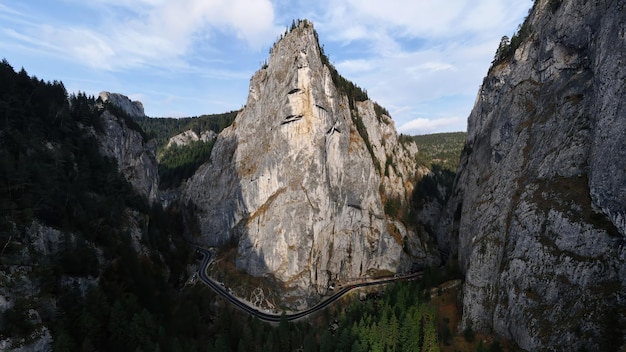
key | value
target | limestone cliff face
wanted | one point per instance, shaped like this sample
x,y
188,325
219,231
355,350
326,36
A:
x,y
293,184
136,158
540,203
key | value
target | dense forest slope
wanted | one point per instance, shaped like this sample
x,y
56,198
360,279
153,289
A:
x,y
539,208
441,149
87,260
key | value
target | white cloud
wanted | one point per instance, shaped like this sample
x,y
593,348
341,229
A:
x,y
423,58
357,65
420,59
426,126
150,32
423,18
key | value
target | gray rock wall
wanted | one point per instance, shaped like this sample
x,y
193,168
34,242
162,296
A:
x,y
136,158
540,201
292,183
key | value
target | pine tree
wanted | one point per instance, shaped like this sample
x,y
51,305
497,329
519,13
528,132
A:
x,y
503,49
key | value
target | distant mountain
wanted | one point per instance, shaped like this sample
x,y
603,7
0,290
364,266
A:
x,y
180,154
442,149
131,108
163,128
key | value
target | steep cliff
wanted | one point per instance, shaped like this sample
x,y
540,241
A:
x,y
136,157
298,182
540,203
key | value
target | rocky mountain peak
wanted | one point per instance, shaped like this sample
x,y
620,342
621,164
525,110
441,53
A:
x,y
296,183
132,108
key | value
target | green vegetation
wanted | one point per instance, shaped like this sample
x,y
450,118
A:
x,y
440,153
431,185
360,127
398,320
52,172
49,169
354,94
507,47
443,149
16,320
380,111
345,87
393,207
162,129
555,4
179,163
129,121
468,334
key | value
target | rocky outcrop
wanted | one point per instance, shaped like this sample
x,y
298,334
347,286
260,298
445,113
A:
x,y
136,158
540,204
31,247
189,137
132,108
293,184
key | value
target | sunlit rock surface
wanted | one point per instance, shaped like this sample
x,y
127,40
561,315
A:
x,y
292,184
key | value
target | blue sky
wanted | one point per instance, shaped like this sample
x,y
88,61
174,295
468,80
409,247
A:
x,y
421,59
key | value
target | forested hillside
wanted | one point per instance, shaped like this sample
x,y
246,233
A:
x,y
162,129
443,149
68,267
178,163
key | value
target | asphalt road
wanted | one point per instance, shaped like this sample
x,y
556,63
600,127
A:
x,y
274,318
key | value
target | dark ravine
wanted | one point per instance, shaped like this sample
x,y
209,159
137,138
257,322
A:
x,y
539,207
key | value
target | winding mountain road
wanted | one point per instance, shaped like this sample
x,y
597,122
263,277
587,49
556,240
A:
x,y
274,318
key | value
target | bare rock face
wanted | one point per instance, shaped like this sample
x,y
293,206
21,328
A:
x,y
136,158
190,136
540,202
132,108
293,184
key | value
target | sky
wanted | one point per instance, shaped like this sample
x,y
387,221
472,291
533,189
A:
x,y
423,60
